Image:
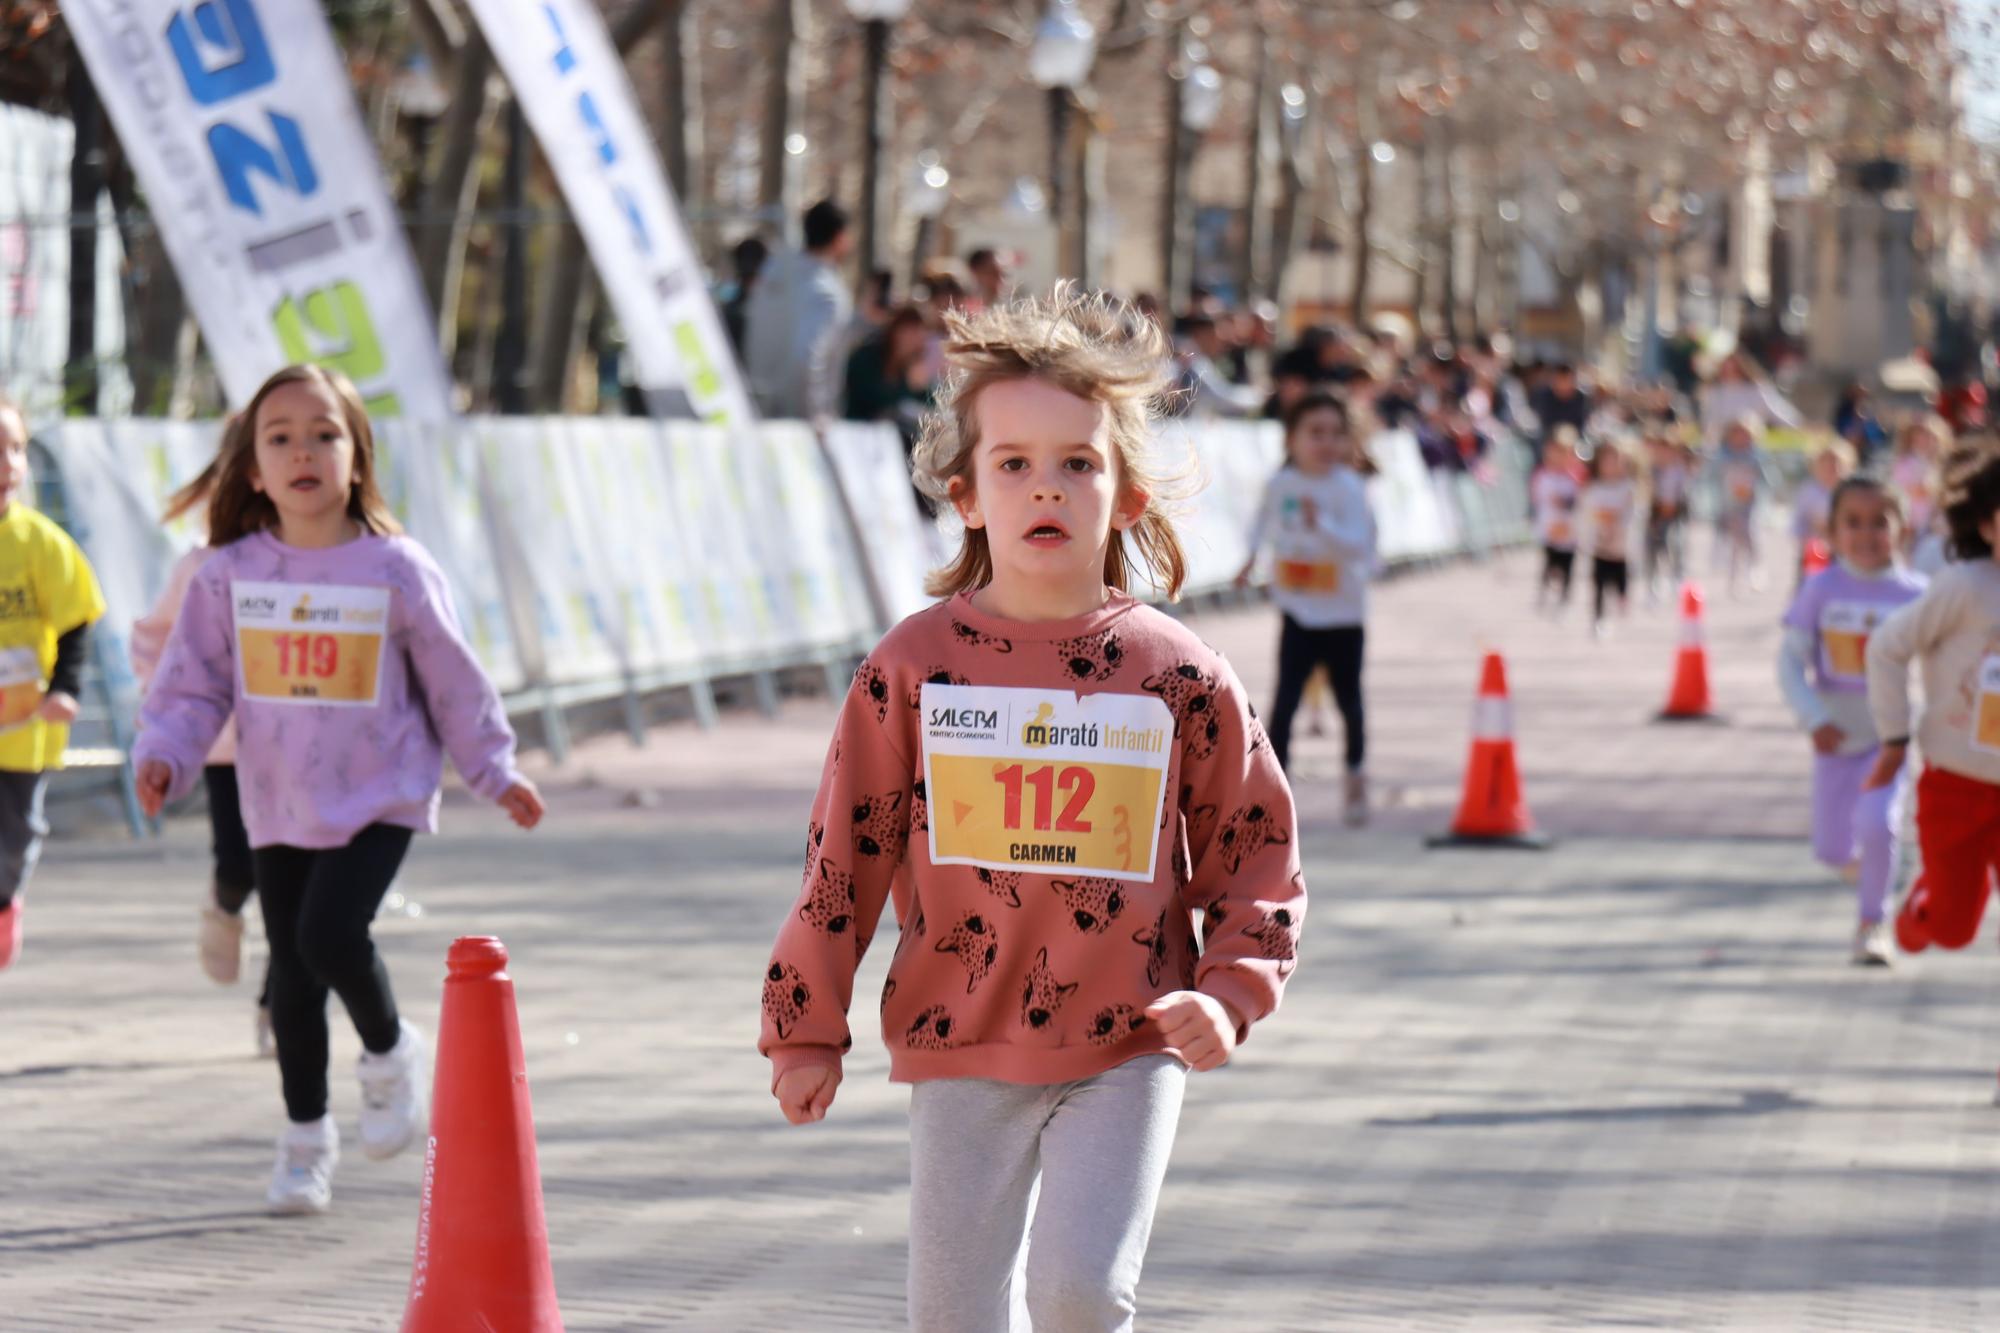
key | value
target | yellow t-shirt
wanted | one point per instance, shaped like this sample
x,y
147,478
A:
x,y
47,588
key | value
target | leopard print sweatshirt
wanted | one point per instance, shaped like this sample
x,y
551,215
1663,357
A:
x,y
1048,804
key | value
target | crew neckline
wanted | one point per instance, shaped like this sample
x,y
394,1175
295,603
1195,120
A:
x,y
1116,607
270,540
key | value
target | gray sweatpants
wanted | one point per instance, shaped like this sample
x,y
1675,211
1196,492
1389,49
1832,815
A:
x,y
1086,1158
22,828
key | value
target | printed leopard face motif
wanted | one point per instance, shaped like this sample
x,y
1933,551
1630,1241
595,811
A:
x,y
1093,657
1093,903
815,835
1042,995
879,828
977,945
888,992
920,809
1247,832
1002,884
1189,693
829,908
1182,875
874,687
1212,918
969,637
1113,1023
1277,935
935,676
931,1030
1154,937
786,997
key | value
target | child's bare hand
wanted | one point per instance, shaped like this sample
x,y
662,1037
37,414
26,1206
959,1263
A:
x,y
1243,574
523,804
1887,764
1826,738
806,1092
57,707
152,780
1199,1028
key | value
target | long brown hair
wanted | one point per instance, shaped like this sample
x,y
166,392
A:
x,y
1101,350
237,509
195,494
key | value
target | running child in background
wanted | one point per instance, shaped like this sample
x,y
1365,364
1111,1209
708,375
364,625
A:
x,y
219,936
1954,631
1921,446
331,638
1315,517
1823,674
1740,482
1669,484
49,599
1553,492
1812,505
1050,778
1609,502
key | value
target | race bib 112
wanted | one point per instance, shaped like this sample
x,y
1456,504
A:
x,y
1045,781
301,643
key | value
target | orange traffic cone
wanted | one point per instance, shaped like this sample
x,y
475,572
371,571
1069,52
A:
x,y
1687,700
482,1245
1493,813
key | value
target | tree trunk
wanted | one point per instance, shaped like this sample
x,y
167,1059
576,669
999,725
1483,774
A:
x,y
86,179
156,310
783,93
1254,262
1364,203
1294,188
1448,233
453,192
510,350
679,106
1426,233
1170,189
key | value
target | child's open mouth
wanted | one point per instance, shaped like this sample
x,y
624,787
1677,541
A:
x,y
1047,534
306,484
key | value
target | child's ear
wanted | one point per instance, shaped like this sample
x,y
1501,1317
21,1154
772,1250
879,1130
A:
x,y
966,501
256,479
1131,508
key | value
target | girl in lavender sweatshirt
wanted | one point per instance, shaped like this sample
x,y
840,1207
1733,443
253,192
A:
x,y
331,638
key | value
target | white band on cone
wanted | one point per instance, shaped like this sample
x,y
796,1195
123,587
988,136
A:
x,y
1492,719
1691,636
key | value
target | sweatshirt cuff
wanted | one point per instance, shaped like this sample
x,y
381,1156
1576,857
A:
x,y
1249,998
497,781
784,1059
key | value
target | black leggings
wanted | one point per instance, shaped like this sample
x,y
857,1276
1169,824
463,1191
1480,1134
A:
x,y
1606,576
235,871
317,908
1557,567
1299,651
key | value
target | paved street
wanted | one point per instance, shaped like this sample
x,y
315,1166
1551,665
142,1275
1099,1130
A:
x,y
1629,1083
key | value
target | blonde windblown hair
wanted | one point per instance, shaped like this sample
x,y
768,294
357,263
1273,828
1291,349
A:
x,y
1096,347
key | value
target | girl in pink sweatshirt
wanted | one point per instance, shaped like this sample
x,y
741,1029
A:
x,y
330,637
1050,779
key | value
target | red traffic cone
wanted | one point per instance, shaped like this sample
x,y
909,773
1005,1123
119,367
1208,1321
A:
x,y
482,1244
1687,699
1817,556
1493,812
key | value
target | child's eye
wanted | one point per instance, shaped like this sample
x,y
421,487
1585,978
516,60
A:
x,y
1079,465
1013,464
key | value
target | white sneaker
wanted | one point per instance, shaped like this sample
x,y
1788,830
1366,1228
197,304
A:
x,y
267,1040
220,943
1871,945
302,1180
395,1095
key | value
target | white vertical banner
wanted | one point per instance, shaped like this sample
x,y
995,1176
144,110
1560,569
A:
x,y
571,84
238,121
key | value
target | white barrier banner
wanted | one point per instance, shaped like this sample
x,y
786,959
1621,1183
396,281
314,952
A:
x,y
815,567
749,615
238,121
570,82
900,546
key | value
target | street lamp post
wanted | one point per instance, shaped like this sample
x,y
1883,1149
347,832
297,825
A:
x,y
877,18
1059,61
926,195
1196,105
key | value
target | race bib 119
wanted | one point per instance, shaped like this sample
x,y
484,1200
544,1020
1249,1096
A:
x,y
1308,576
1045,781
301,643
